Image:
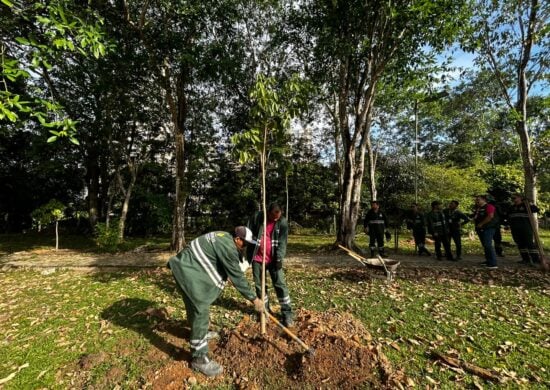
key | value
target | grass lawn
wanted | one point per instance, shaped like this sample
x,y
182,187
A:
x,y
297,243
50,323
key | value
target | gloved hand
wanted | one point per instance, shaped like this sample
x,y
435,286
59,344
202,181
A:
x,y
366,230
388,235
258,305
244,264
278,265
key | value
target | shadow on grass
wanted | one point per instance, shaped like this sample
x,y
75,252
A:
x,y
158,276
142,317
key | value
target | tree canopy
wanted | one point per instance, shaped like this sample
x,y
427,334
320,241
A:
x,y
125,112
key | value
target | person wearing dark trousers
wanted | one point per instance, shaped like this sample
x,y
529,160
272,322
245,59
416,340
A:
x,y
486,222
455,219
500,212
416,222
437,227
375,226
273,242
522,231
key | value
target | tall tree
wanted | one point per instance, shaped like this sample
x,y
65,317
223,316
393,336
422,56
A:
x,y
353,43
187,44
512,40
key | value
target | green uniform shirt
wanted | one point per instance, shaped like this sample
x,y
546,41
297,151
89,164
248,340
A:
x,y
436,223
203,267
518,217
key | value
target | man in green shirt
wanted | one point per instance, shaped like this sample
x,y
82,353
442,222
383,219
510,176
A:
x,y
437,227
201,271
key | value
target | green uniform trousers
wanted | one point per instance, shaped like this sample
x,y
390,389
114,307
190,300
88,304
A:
x,y
279,284
199,319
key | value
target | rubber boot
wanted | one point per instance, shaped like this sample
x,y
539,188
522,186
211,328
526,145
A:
x,y
206,366
525,258
381,252
372,253
535,257
211,335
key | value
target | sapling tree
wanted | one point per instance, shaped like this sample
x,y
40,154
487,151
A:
x,y
274,105
51,212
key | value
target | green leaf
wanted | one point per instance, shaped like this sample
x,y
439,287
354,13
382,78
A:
x,y
8,3
42,20
74,141
52,139
23,41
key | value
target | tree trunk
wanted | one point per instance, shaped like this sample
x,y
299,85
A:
x,y
372,169
56,235
287,195
112,192
354,166
93,191
178,236
530,185
178,110
348,211
127,195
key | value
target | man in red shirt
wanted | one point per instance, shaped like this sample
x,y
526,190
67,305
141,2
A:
x,y
486,222
274,243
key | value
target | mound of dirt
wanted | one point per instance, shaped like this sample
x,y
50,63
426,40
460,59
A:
x,y
343,357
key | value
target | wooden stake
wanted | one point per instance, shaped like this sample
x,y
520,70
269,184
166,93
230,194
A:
x,y
543,262
262,236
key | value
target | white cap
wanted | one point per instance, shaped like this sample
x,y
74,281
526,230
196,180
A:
x,y
245,233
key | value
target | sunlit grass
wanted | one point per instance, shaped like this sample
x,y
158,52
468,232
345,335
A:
x,y
497,321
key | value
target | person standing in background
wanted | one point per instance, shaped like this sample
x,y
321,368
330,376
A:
x,y
455,219
486,222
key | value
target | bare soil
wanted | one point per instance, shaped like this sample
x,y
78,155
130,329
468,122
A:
x,y
343,357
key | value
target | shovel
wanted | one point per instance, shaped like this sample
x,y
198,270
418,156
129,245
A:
x,y
309,350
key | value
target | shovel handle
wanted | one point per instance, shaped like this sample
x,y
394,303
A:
x,y
286,330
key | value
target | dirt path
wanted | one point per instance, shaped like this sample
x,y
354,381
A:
x,y
88,261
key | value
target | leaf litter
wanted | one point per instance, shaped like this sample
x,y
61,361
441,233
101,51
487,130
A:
x,y
343,357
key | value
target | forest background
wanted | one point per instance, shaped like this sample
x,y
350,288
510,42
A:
x,y
122,113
